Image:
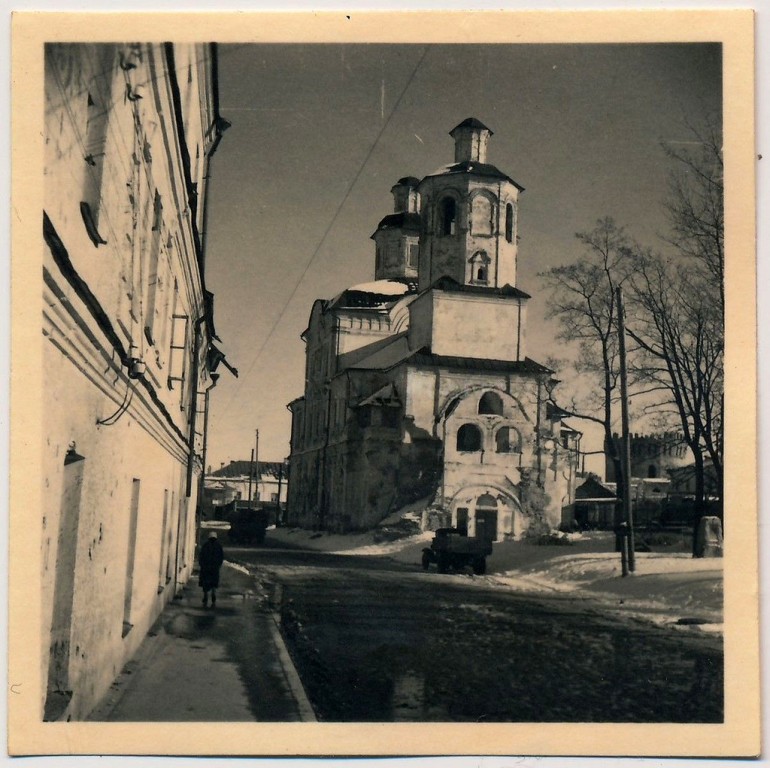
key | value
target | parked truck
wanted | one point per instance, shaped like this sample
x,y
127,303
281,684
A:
x,y
451,549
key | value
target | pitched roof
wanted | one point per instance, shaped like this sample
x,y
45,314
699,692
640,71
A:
x,y
471,122
355,357
244,468
386,395
425,357
386,355
395,350
450,285
402,220
593,490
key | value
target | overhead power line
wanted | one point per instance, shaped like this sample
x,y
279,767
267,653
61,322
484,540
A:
x,y
328,229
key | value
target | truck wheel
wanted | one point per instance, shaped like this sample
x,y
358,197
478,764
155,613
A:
x,y
480,566
425,561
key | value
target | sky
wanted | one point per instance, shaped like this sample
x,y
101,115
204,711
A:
x,y
320,133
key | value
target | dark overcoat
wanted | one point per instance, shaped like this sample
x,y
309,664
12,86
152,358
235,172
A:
x,y
210,559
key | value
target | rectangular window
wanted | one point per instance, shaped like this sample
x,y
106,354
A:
x,y
133,521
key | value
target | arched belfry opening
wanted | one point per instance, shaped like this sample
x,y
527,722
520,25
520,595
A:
x,y
468,438
491,404
448,216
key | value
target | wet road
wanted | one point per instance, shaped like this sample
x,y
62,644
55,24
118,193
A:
x,y
375,640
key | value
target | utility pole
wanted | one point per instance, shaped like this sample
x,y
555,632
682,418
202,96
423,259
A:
x,y
251,474
278,515
256,466
628,515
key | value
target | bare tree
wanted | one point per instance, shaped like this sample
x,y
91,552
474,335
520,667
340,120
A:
x,y
695,204
583,300
677,325
678,320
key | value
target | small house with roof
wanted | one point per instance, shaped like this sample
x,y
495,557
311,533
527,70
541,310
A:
x,y
418,385
263,482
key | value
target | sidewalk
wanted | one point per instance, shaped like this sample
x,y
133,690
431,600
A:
x,y
225,664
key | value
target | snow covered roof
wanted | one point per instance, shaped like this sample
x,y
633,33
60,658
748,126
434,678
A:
x,y
378,294
383,287
474,168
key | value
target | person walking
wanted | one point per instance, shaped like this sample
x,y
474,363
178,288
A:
x,y
210,558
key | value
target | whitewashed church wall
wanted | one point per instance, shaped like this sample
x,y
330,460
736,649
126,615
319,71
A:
x,y
468,326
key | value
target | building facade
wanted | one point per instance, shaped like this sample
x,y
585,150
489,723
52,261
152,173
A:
x,y
263,482
128,349
653,456
418,385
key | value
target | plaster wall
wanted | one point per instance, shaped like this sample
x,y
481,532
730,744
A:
x,y
126,291
467,325
114,457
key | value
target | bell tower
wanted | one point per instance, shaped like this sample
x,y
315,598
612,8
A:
x,y
397,235
469,216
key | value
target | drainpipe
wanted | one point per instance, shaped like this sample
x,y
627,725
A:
x,y
176,548
201,482
190,444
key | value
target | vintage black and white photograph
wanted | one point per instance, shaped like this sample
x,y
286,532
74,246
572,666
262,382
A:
x,y
385,382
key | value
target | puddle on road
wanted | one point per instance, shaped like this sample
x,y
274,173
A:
x,y
410,701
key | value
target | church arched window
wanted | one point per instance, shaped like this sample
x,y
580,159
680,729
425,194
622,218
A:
x,y
448,216
480,268
481,215
469,438
509,222
490,403
507,440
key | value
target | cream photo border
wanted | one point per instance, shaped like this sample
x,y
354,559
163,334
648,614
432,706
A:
x,y
739,735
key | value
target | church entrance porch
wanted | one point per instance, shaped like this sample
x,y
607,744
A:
x,y
488,513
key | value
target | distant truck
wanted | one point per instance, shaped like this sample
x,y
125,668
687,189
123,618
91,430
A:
x,y
248,525
450,549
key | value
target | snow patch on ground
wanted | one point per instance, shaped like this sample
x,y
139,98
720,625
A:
x,y
388,547
665,587
237,567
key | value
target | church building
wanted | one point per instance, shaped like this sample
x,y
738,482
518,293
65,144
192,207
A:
x,y
418,387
